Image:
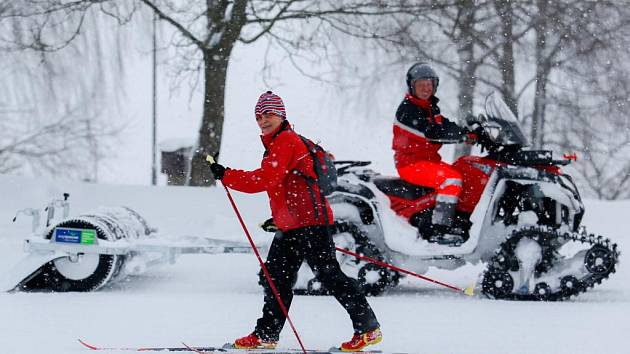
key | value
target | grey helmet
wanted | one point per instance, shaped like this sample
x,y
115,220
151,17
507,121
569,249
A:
x,y
420,71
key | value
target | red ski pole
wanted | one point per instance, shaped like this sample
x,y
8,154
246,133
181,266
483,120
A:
x,y
262,264
468,291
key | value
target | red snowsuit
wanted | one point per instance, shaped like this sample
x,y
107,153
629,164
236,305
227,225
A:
x,y
292,205
419,131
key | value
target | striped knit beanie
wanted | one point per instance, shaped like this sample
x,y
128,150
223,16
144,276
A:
x,y
269,102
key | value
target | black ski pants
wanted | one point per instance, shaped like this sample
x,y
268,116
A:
x,y
286,254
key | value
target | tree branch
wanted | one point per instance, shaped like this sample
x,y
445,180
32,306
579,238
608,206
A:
x,y
185,32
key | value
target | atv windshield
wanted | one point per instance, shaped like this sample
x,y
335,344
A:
x,y
501,124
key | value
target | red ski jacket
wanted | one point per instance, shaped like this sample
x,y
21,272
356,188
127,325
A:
x,y
293,203
420,130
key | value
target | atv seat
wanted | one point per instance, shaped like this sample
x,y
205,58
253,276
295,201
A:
x,y
396,187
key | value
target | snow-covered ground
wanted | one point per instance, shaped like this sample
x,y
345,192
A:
x,y
212,299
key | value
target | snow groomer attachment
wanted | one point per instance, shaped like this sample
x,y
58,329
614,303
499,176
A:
x,y
90,250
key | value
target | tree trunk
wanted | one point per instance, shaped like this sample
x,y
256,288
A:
x,y
468,67
225,23
211,130
506,57
542,75
540,106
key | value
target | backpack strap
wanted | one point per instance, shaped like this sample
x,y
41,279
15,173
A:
x,y
310,181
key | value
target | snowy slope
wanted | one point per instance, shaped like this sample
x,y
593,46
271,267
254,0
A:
x,y
211,299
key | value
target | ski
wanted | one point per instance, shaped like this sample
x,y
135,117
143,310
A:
x,y
225,349
154,349
229,348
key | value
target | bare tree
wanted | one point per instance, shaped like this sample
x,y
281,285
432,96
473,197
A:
x,y
208,33
478,43
205,34
566,32
51,114
61,147
555,41
458,36
589,115
603,149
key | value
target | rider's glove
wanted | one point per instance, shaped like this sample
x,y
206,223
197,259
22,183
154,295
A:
x,y
269,225
218,170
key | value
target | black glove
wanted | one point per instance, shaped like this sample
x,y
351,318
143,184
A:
x,y
217,170
269,225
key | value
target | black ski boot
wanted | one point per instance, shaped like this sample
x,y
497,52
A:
x,y
441,230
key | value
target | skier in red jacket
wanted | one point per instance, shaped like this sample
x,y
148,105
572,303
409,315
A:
x,y
419,132
304,230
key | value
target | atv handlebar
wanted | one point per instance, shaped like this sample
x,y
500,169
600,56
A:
x,y
346,164
351,163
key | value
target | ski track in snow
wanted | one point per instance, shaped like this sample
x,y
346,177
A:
x,y
207,300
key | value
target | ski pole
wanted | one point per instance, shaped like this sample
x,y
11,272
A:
x,y
468,291
210,159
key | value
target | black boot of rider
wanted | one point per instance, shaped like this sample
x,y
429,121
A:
x,y
442,220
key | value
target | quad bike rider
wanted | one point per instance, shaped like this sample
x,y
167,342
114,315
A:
x,y
419,132
519,215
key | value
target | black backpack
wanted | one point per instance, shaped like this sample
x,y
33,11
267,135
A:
x,y
324,166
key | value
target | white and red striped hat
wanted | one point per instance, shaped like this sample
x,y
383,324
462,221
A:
x,y
269,102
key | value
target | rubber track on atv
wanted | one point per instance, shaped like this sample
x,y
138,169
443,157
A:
x,y
505,260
